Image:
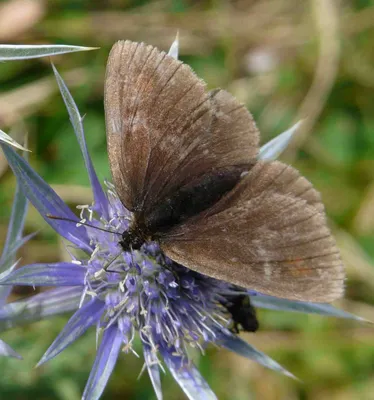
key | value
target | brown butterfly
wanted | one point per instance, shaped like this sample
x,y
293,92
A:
x,y
184,162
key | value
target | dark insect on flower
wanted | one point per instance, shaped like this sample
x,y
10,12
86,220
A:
x,y
197,212
242,313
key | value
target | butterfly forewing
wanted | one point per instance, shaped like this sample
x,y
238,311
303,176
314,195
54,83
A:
x,y
268,234
165,129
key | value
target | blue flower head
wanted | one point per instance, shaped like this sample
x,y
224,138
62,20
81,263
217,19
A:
x,y
128,294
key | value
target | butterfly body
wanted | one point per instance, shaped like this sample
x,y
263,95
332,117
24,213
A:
x,y
187,201
133,239
185,162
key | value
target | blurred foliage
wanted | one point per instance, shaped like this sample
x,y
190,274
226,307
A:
x,y
286,60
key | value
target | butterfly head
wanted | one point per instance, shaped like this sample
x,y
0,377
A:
x,y
132,239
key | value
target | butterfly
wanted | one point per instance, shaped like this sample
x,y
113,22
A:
x,y
184,161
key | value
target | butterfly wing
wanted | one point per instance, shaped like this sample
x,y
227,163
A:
x,y
268,234
166,132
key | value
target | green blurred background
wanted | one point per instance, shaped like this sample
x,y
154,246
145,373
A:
x,y
286,59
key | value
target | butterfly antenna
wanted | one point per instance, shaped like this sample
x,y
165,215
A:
x,y
81,223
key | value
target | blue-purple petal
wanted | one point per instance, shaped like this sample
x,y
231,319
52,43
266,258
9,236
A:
x,y
46,201
273,149
6,289
40,306
4,294
15,227
239,346
174,48
153,368
88,315
189,378
7,351
7,139
24,51
9,258
275,303
105,361
55,274
101,202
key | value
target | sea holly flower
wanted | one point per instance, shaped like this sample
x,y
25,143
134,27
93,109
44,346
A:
x,y
127,294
